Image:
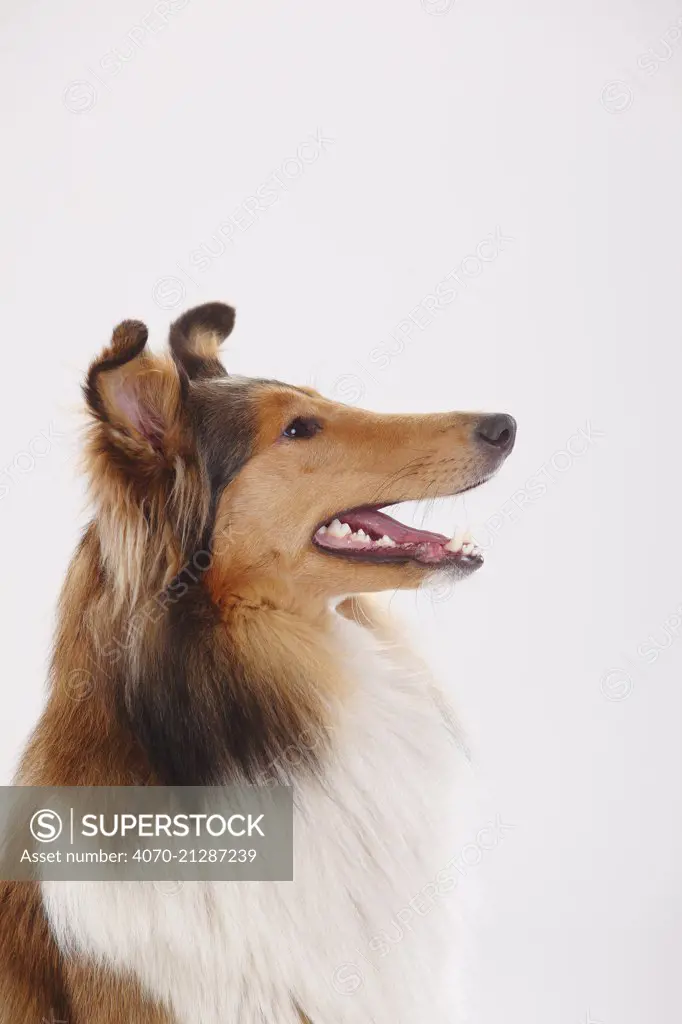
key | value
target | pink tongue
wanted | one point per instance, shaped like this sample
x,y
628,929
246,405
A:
x,y
379,524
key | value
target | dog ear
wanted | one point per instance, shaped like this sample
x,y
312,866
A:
x,y
196,337
135,394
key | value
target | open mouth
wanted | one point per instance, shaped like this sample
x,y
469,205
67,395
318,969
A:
x,y
372,535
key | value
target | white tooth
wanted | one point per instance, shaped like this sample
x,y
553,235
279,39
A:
x,y
361,537
345,530
467,549
336,529
467,538
456,543
322,529
386,542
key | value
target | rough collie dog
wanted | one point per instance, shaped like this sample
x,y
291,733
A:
x,y
212,607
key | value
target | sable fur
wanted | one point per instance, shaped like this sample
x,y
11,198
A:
x,y
197,640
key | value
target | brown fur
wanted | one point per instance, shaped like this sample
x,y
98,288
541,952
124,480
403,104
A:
x,y
394,458
38,984
99,997
193,642
31,968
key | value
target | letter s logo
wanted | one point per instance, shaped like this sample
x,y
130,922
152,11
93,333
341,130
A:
x,y
46,826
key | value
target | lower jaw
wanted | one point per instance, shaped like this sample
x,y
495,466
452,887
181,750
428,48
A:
x,y
463,563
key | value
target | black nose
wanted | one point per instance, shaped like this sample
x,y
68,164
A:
x,y
498,430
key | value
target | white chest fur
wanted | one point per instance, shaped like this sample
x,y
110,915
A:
x,y
355,938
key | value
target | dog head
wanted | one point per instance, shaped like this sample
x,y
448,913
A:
x,y
264,485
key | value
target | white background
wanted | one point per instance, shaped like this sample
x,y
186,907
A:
x,y
449,121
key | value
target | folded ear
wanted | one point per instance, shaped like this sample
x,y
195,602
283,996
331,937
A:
x,y
136,394
196,337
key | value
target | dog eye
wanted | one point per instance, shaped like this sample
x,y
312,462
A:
x,y
302,428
